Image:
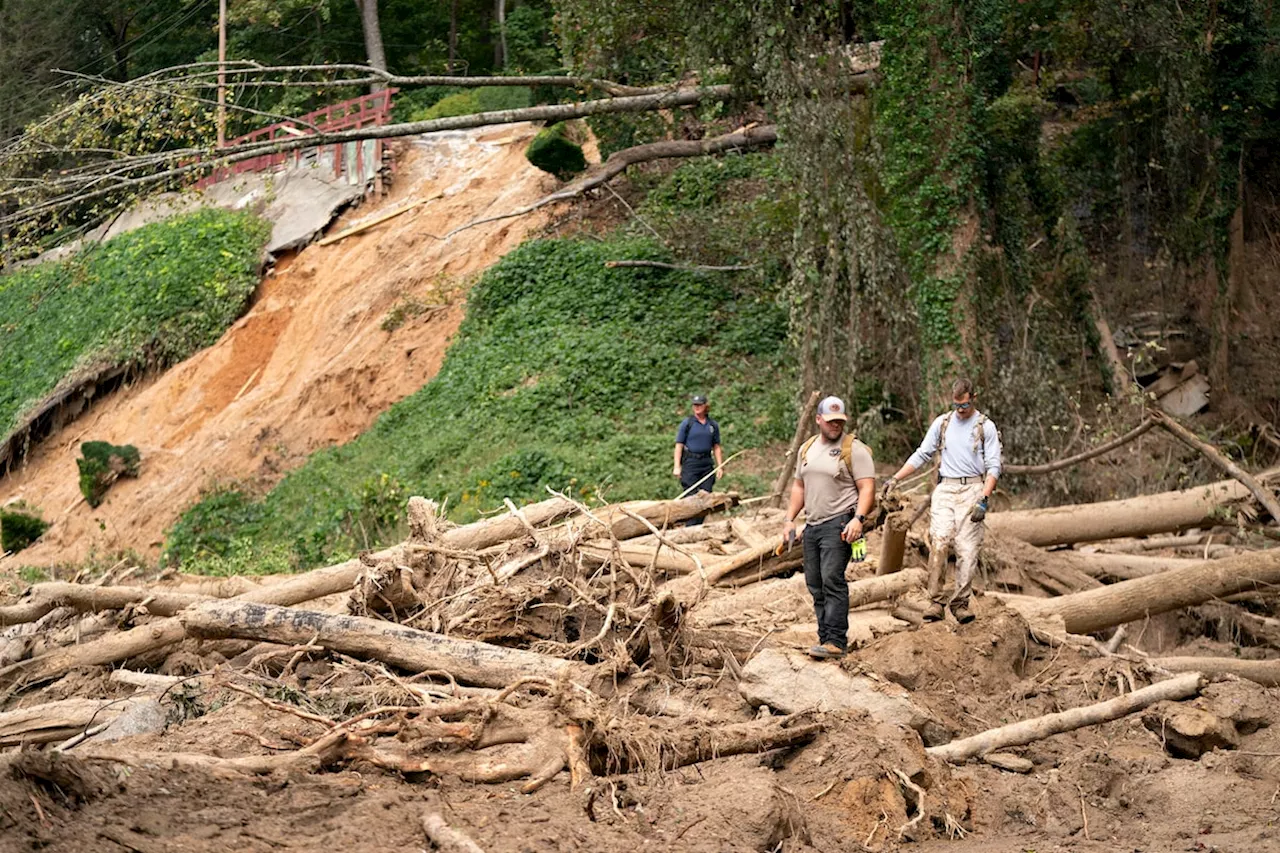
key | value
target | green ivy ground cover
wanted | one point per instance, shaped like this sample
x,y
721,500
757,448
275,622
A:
x,y
152,296
564,373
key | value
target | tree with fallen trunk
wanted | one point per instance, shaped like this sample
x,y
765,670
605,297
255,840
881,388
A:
x,y
1039,728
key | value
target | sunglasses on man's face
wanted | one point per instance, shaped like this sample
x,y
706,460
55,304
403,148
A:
x,y
965,406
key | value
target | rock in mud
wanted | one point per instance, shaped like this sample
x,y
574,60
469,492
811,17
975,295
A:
x,y
790,683
1189,732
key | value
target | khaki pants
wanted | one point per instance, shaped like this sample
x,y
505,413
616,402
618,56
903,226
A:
x,y
950,524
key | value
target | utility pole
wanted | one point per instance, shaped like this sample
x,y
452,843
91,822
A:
x,y
222,73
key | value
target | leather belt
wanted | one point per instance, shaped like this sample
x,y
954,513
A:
x,y
961,481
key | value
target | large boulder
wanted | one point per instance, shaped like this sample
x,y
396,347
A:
x,y
790,682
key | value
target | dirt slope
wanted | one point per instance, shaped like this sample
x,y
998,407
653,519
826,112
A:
x,y
307,367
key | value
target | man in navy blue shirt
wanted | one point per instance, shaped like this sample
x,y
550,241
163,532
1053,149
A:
x,y
697,445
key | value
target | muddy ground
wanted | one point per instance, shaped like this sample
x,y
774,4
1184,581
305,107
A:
x,y
1111,787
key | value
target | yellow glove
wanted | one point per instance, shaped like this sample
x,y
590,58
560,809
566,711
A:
x,y
859,547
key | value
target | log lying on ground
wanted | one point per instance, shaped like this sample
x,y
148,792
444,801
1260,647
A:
x,y
45,597
1160,513
54,722
1127,567
1029,731
1108,606
1264,672
661,558
468,661
503,528
618,521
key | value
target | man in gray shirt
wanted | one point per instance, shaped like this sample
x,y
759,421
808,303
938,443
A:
x,y
967,473
835,486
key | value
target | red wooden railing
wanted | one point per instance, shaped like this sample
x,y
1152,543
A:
x,y
366,111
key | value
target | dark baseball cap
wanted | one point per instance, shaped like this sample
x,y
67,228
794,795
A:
x,y
699,399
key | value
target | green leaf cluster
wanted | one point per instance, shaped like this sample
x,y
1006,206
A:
x,y
554,152
19,527
149,297
565,373
101,464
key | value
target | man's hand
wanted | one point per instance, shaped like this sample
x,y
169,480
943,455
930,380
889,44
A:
x,y
675,470
979,511
859,549
888,487
852,531
788,536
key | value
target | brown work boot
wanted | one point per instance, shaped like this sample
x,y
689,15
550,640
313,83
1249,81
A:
x,y
962,613
934,613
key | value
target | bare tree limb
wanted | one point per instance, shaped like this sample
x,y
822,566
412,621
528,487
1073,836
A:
x,y
620,160
1187,437
1058,465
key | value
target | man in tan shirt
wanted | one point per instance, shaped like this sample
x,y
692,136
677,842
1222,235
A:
x,y
835,485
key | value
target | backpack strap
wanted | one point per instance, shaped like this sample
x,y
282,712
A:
x,y
804,448
846,450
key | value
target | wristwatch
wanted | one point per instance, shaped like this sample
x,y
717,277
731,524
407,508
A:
x,y
859,517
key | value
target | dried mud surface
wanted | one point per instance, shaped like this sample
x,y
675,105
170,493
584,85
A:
x,y
308,366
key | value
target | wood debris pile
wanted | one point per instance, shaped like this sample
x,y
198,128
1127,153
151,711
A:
x,y
558,638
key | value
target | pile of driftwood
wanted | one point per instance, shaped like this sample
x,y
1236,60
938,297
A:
x,y
550,638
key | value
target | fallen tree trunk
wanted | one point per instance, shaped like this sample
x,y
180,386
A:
x,y
1161,513
493,531
468,661
46,597
627,520
1029,731
661,558
1105,607
54,722
1127,567
1264,672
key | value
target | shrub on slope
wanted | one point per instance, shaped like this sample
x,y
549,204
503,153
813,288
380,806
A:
x,y
152,296
564,373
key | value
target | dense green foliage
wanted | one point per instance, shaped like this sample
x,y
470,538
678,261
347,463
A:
x,y
554,152
19,527
565,373
432,103
149,297
101,463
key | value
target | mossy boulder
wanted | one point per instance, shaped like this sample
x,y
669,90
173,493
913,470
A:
x,y
553,151
102,463
19,527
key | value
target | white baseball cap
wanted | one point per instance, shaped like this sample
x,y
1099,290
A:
x,y
832,409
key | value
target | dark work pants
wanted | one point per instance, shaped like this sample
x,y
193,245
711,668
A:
x,y
825,559
693,470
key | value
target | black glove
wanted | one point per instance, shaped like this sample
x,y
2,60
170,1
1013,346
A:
x,y
887,488
979,511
